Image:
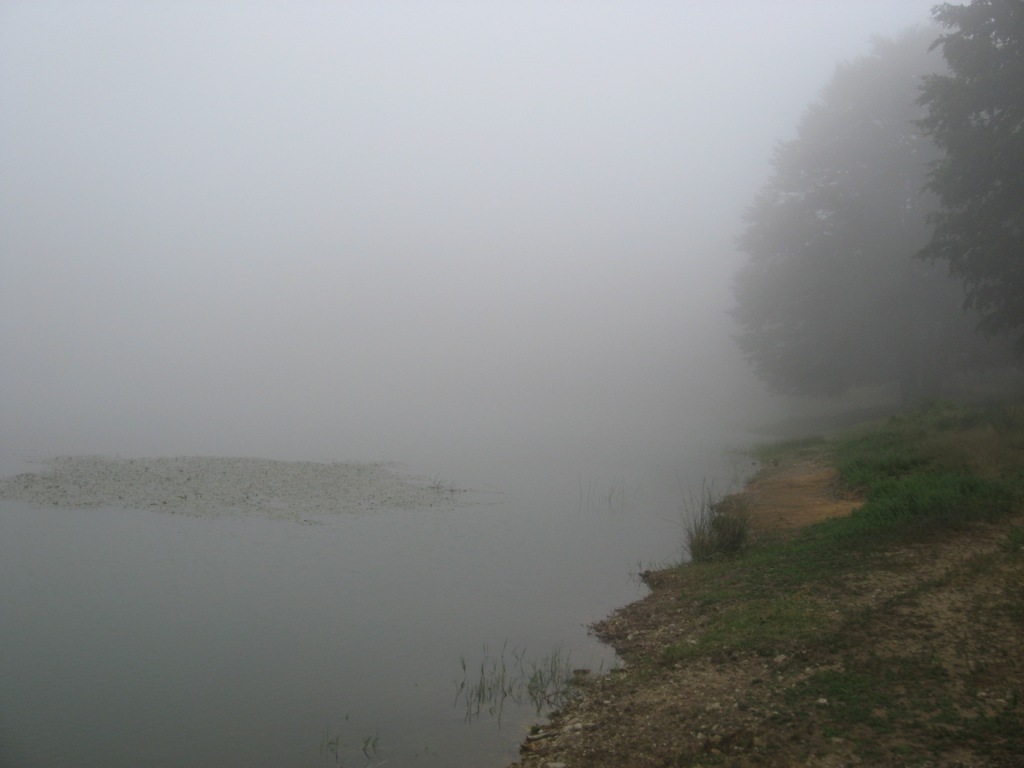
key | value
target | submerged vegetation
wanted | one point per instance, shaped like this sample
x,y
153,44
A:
x,y
341,750
887,636
511,677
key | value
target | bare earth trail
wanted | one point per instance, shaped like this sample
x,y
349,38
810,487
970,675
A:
x,y
795,494
744,708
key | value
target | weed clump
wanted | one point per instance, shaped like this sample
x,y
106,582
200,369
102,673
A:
x,y
714,528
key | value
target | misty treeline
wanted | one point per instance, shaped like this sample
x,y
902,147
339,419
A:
x,y
887,246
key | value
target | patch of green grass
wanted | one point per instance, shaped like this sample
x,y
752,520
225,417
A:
x,y
920,505
761,626
941,466
809,557
905,695
863,457
883,694
987,442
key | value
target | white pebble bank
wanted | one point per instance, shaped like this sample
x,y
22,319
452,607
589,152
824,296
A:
x,y
216,486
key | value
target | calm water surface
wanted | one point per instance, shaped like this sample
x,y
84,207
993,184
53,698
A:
x,y
132,637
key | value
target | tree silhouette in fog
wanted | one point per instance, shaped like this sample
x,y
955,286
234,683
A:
x,y
976,114
832,295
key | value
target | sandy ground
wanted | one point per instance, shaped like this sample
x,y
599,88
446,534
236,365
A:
x,y
795,494
219,486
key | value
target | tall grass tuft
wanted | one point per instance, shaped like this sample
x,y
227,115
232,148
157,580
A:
x,y
714,528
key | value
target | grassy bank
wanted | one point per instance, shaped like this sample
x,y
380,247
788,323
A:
x,y
893,635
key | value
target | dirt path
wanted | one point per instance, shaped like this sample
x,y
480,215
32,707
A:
x,y
796,493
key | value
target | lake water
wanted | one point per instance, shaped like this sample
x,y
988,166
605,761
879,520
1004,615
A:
x,y
133,637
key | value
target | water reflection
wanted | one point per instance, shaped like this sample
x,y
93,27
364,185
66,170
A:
x,y
344,750
510,676
157,639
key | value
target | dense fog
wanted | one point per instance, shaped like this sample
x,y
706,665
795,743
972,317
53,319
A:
x,y
389,230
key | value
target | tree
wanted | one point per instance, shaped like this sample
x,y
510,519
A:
x,y
976,114
831,296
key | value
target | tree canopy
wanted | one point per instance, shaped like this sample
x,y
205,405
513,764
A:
x,y
831,295
976,115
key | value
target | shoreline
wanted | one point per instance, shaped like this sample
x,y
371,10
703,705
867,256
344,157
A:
x,y
767,704
778,498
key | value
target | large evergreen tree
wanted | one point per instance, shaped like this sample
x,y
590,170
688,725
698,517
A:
x,y
976,114
831,296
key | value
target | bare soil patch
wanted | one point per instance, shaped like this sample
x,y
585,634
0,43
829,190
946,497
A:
x,y
797,492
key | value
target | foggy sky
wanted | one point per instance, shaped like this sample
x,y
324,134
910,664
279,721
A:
x,y
372,229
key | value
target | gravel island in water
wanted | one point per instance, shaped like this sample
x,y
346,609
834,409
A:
x,y
218,486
